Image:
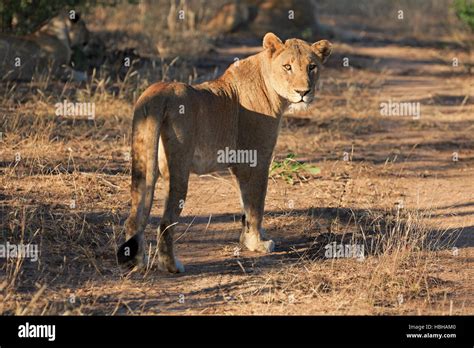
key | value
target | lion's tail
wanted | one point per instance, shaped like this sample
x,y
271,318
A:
x,y
147,121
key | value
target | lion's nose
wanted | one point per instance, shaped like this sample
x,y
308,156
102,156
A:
x,y
302,93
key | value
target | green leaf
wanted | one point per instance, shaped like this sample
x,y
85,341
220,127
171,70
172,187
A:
x,y
313,170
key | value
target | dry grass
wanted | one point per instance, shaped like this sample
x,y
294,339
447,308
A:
x,y
400,263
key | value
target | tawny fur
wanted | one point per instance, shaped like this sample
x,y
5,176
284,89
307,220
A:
x,y
179,129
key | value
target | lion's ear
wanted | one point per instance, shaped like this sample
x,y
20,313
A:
x,y
272,42
323,49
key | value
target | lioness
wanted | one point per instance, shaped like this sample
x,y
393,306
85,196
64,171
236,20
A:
x,y
178,129
47,49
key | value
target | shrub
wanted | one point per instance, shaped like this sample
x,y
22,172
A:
x,y
465,11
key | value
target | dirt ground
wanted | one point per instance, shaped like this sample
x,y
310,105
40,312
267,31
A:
x,y
374,168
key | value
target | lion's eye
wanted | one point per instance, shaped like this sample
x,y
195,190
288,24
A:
x,y
312,67
287,67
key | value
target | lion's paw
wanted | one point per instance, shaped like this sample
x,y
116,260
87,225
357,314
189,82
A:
x,y
254,243
169,265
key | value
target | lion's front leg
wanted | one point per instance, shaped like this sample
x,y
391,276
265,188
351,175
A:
x,y
253,188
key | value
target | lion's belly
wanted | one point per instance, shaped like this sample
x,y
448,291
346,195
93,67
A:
x,y
206,161
216,130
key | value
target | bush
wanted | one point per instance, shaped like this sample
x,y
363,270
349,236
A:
x,y
25,16
465,11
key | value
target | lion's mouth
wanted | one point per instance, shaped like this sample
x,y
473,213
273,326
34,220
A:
x,y
300,98
304,100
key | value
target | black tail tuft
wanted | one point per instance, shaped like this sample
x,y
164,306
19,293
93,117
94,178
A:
x,y
128,251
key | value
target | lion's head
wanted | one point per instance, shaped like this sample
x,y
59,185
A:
x,y
78,33
294,67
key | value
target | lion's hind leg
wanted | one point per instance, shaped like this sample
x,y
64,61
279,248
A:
x,y
175,169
